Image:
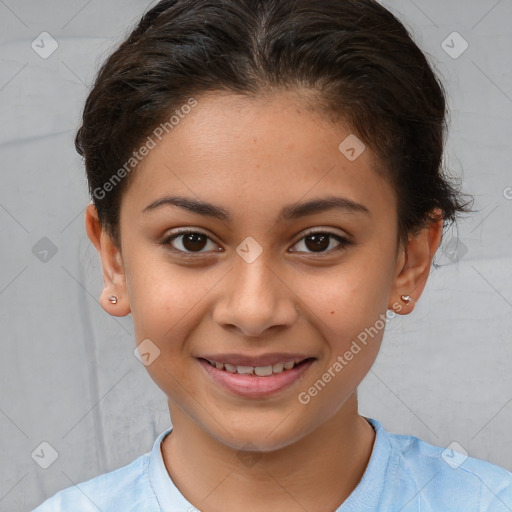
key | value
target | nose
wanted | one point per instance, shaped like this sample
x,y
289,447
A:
x,y
255,299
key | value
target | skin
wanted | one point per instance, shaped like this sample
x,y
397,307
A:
x,y
252,157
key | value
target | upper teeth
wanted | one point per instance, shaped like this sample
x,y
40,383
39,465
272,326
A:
x,y
260,371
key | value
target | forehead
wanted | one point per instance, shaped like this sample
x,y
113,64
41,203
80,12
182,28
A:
x,y
268,151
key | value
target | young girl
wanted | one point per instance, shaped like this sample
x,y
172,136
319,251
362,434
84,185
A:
x,y
267,193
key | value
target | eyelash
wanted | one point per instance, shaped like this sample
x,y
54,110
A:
x,y
344,242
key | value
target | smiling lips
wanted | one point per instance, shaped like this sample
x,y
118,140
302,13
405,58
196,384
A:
x,y
262,366
241,374
260,371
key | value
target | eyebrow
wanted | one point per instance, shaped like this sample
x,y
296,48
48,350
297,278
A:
x,y
290,212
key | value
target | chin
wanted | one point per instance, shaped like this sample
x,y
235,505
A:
x,y
261,436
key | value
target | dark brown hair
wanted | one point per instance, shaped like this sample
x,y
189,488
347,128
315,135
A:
x,y
356,59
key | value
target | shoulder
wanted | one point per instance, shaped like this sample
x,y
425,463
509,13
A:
x,y
441,476
123,490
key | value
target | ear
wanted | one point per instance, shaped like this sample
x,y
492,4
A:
x,y
114,277
413,265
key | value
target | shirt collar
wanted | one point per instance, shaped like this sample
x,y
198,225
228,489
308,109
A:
x,y
371,489
167,494
368,491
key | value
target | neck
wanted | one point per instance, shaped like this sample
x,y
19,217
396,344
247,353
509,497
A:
x,y
318,472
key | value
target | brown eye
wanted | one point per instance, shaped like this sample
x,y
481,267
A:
x,y
194,241
320,242
317,242
190,242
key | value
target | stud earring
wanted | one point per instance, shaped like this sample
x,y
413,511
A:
x,y
113,299
406,298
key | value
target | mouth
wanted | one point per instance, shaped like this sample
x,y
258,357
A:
x,y
259,371
259,380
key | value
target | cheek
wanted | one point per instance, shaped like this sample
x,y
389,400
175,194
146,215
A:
x,y
349,298
165,305
163,298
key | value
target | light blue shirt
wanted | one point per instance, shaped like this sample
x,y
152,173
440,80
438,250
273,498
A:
x,y
404,474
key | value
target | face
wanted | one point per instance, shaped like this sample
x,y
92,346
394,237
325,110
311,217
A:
x,y
258,281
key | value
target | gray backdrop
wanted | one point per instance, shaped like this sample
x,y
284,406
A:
x,y
68,374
